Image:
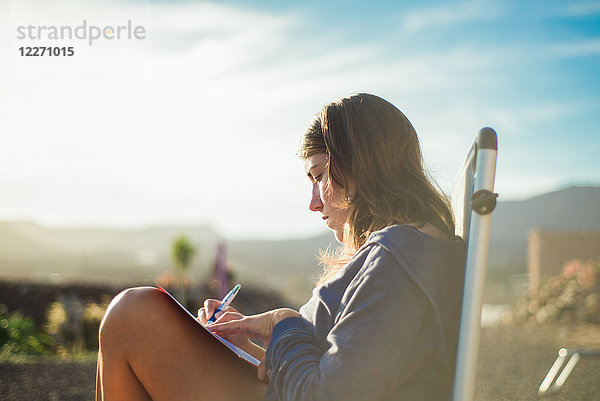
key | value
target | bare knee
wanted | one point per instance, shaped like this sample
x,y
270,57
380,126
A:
x,y
126,311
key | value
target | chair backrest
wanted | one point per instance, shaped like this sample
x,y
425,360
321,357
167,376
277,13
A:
x,y
473,201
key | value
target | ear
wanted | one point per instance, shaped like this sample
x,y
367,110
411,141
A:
x,y
350,189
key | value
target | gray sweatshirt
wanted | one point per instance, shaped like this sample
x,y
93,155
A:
x,y
384,328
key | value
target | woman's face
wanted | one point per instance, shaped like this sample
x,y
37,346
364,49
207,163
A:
x,y
329,203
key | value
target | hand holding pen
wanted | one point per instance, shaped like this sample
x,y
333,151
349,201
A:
x,y
203,312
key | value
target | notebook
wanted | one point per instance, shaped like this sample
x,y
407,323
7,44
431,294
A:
x,y
237,350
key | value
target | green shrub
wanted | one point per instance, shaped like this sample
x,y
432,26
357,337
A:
x,y
18,335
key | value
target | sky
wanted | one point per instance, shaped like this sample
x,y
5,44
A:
x,y
199,121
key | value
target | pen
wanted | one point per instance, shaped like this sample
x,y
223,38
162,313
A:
x,y
225,302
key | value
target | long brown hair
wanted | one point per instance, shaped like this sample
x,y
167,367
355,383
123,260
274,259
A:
x,y
372,143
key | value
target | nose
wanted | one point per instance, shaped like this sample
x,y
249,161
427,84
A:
x,y
315,200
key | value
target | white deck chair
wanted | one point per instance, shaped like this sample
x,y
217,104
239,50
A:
x,y
473,201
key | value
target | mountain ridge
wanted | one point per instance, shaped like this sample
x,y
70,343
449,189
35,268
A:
x,y
140,253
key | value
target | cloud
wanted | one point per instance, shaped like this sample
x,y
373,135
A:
x,y
237,80
202,121
581,48
583,8
217,29
429,18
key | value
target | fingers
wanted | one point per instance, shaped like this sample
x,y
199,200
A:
x,y
210,305
202,316
254,327
226,324
263,374
228,316
229,323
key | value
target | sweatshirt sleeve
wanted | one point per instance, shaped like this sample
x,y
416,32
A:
x,y
377,340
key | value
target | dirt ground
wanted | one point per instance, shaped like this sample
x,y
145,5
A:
x,y
48,381
513,361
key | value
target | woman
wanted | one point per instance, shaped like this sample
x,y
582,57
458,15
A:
x,y
382,323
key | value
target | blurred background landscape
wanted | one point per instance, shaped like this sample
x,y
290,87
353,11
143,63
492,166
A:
x,y
32,252
171,158
55,284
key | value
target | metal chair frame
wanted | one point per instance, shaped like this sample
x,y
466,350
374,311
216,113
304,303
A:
x,y
549,385
473,201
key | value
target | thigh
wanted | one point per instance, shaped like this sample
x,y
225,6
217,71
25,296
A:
x,y
169,353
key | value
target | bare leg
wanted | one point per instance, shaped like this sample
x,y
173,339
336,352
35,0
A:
x,y
151,350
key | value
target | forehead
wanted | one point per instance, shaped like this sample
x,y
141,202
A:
x,y
316,160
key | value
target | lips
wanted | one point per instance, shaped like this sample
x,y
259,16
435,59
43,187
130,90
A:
x,y
325,217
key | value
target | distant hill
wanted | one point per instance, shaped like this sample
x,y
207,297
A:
x,y
291,266
30,250
570,208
